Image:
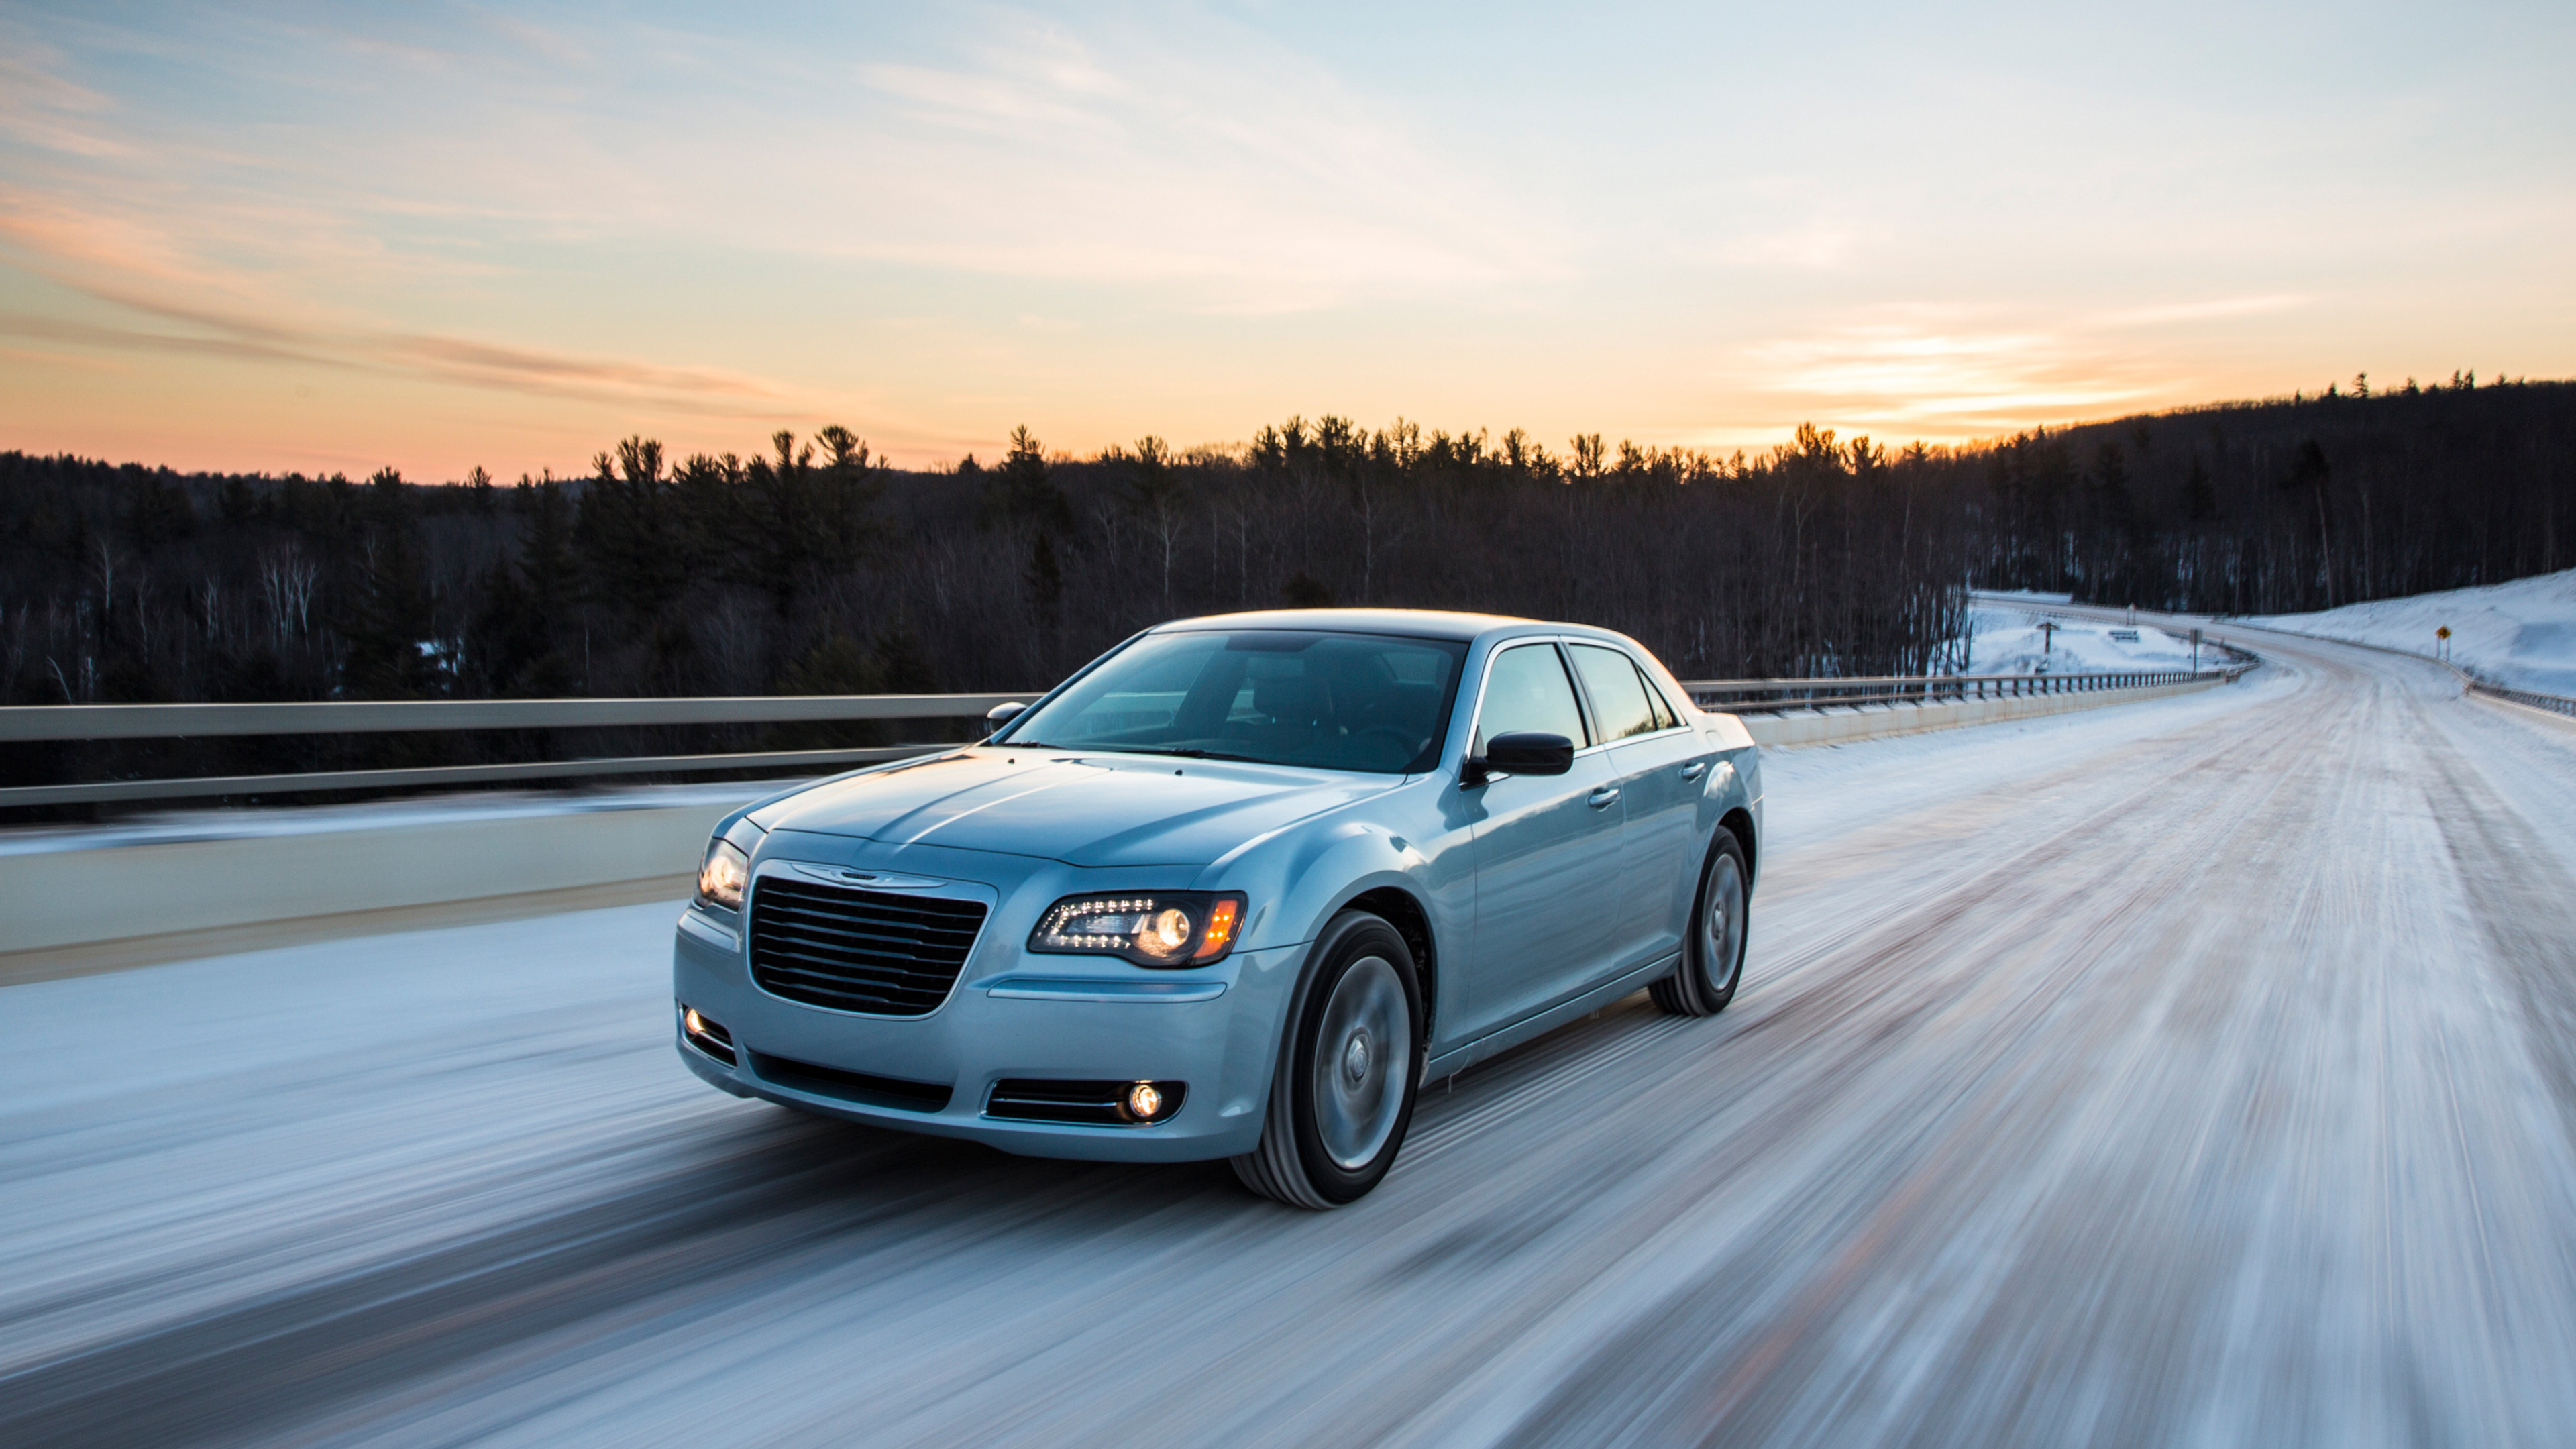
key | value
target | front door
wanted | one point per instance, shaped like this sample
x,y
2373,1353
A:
x,y
1547,851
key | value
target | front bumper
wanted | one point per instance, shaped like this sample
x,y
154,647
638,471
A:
x,y
1015,1015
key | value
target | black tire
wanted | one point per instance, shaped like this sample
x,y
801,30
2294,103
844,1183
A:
x,y
1712,963
1334,1126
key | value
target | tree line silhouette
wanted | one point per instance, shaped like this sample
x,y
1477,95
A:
x,y
813,567
2289,506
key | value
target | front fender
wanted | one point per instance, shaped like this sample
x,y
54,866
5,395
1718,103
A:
x,y
1402,842
1297,883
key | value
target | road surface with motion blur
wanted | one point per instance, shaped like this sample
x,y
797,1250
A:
x,y
2196,1071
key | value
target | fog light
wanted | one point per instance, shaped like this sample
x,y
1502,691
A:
x,y
706,1035
1144,1102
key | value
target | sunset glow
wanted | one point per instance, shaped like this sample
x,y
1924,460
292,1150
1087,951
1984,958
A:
x,y
318,238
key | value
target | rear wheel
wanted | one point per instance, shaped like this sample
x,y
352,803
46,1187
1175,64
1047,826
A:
x,y
1713,957
1344,1089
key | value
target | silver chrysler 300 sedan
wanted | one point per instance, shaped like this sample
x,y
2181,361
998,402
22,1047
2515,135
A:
x,y
1237,889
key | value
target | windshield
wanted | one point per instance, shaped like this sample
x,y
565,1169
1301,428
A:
x,y
1331,701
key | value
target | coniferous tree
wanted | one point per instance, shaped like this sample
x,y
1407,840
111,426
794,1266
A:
x,y
1020,489
2199,498
2308,476
1045,583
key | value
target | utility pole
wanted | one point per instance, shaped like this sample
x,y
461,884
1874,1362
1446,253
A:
x,y
2047,635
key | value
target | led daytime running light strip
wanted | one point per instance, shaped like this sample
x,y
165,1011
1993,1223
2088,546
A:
x,y
1068,912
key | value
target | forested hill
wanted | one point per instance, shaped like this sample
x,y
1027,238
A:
x,y
812,567
2278,507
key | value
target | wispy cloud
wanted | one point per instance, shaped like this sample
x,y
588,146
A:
x,y
1183,150
2213,310
457,361
1943,373
1191,153
483,364
41,108
1813,247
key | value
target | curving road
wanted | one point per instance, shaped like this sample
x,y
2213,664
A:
x,y
2194,1071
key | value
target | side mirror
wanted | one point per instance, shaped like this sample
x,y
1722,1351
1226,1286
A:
x,y
1000,715
1522,752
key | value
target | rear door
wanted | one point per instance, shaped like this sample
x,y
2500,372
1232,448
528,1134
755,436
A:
x,y
1660,768
1547,849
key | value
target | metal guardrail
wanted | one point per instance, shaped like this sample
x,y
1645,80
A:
x,y
2555,704
1772,696
333,717
25,723
342,717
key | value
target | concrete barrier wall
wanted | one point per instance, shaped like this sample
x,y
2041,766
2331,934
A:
x,y
74,910
69,911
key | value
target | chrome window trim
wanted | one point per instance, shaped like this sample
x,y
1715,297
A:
x,y
1582,705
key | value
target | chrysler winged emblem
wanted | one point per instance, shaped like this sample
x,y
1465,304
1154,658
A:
x,y
872,879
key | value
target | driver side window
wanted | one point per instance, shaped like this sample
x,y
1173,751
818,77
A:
x,y
1526,689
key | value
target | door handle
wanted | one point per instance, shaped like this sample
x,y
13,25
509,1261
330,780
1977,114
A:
x,y
1602,798
1695,769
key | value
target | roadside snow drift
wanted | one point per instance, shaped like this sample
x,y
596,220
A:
x,y
2521,634
2003,639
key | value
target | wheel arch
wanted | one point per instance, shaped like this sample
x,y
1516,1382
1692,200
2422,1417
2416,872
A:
x,y
1399,908
1739,822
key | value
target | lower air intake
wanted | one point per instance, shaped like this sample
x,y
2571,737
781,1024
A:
x,y
860,1087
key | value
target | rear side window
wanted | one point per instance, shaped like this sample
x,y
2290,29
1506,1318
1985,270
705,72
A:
x,y
1526,689
1619,700
1664,717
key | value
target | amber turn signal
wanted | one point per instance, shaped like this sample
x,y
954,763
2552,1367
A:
x,y
1221,921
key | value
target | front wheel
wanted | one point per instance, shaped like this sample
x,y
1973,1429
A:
x,y
1343,1092
1713,958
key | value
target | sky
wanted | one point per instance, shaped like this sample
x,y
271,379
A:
x,y
438,236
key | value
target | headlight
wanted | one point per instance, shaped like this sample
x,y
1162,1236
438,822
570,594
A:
x,y
721,879
1150,928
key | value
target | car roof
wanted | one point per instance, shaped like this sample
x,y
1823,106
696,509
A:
x,y
1419,623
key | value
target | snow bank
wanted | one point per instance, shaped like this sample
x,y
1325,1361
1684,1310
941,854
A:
x,y
2521,634
2007,640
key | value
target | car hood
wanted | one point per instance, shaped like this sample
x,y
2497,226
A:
x,y
1085,810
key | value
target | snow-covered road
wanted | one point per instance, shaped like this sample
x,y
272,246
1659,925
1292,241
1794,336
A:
x,y
2201,1070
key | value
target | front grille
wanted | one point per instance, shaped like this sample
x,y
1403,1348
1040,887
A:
x,y
879,952
875,1091
1038,1099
